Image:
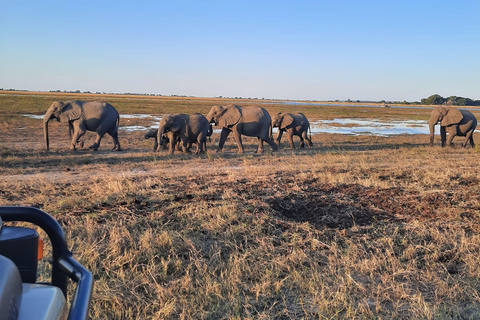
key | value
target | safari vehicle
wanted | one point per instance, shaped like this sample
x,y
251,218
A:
x,y
21,297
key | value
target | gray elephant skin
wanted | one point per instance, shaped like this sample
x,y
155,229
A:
x,y
100,117
188,128
249,121
293,125
455,122
153,133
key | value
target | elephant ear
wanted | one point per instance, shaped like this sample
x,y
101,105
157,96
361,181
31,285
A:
x,y
453,116
230,116
287,120
70,111
178,124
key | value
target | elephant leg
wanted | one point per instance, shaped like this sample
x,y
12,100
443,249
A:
x,y
116,144
468,137
185,144
290,140
101,130
260,145
269,140
172,142
471,140
78,131
223,137
272,144
302,141
443,136
201,140
238,139
279,138
96,144
452,132
305,137
204,144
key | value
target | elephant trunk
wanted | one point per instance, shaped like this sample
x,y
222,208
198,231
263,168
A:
x,y
46,119
210,118
431,125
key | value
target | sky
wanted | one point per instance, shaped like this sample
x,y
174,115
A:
x,y
306,50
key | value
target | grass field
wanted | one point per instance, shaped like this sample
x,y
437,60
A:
x,y
358,227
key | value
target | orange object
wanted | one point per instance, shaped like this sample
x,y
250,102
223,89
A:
x,y
40,249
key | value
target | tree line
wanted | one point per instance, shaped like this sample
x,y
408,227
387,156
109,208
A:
x,y
437,99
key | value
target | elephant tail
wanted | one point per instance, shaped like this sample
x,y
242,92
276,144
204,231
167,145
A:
x,y
310,129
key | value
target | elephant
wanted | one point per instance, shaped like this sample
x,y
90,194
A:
x,y
81,116
293,124
152,133
455,122
188,128
250,121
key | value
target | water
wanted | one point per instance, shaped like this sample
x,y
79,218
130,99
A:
x,y
370,127
33,116
140,116
349,126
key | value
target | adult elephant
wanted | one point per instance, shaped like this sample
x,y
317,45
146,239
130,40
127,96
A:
x,y
188,128
454,122
100,117
293,124
250,121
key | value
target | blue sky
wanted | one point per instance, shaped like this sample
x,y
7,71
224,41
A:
x,y
321,50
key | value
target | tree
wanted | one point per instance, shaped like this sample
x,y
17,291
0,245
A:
x,y
435,99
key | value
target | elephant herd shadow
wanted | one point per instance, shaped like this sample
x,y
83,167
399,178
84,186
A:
x,y
344,206
320,212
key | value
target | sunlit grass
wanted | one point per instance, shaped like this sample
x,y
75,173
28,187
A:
x,y
356,228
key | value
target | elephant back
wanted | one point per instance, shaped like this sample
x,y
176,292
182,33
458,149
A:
x,y
254,113
197,124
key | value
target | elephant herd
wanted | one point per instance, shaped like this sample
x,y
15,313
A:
x,y
180,131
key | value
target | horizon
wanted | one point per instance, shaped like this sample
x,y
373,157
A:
x,y
312,50
199,97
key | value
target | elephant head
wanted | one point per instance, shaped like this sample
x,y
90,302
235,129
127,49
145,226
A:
x,y
224,116
282,120
151,133
62,111
446,116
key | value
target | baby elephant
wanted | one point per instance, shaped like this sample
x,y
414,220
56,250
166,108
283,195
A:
x,y
153,133
293,124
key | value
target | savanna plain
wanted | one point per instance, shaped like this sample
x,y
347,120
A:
x,y
358,227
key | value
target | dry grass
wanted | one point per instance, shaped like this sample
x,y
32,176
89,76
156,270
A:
x,y
356,228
